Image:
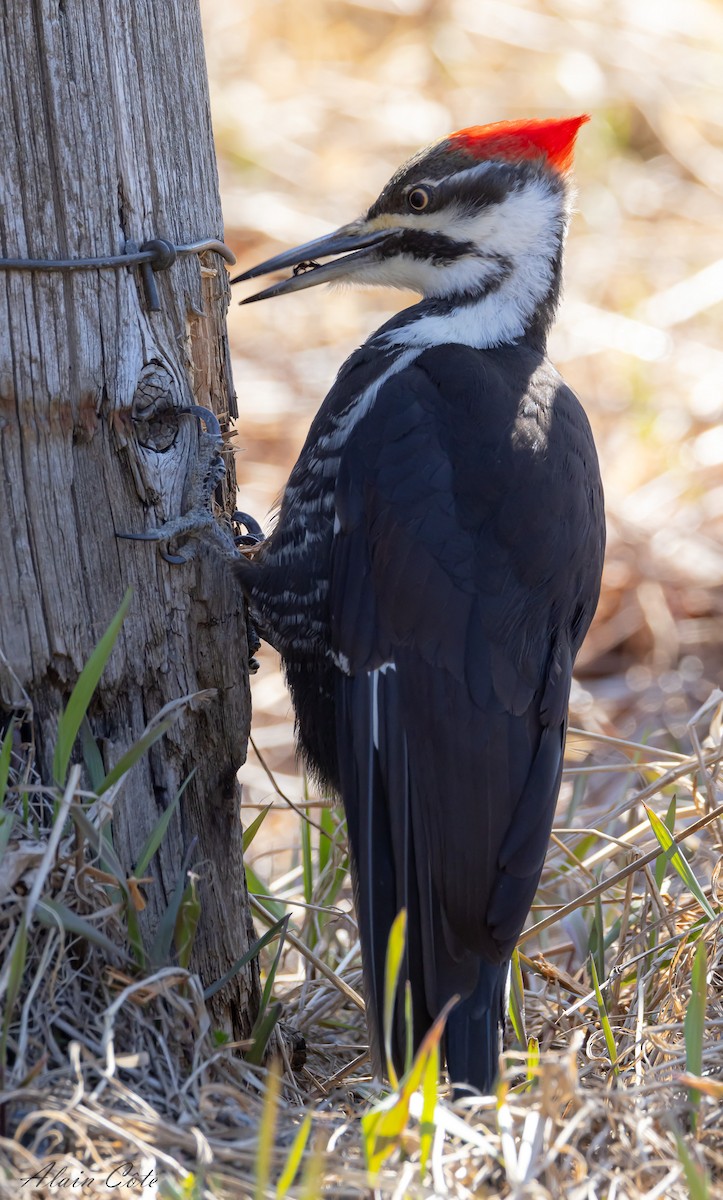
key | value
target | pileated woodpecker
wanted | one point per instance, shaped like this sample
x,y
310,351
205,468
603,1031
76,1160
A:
x,y
435,567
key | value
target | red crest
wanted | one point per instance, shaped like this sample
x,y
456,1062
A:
x,y
551,139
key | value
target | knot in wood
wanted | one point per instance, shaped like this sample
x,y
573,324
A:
x,y
156,404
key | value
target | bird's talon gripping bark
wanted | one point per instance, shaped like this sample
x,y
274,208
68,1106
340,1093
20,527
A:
x,y
206,473
254,534
208,417
191,525
174,559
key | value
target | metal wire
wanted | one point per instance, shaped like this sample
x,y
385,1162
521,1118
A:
x,y
158,254
115,261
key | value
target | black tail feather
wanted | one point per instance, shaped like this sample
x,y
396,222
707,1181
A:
x,y
383,865
475,1028
390,869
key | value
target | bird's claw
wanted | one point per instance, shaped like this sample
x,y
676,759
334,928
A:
x,y
198,520
208,417
254,534
153,536
193,524
207,472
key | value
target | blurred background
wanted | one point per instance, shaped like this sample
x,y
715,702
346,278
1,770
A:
x,y
316,104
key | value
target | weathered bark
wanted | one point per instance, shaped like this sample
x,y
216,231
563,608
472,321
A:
x,y
105,136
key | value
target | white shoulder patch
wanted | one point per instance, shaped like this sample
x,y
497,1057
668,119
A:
x,y
341,661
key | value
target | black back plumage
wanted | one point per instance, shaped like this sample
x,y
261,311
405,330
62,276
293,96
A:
x,y
434,570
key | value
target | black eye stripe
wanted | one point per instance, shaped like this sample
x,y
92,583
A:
x,y
429,247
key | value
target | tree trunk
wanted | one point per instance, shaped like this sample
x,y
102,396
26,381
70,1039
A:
x,y
105,136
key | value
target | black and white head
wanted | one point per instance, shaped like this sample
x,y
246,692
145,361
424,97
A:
x,y
475,224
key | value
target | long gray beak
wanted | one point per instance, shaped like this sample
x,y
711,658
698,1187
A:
x,y
360,242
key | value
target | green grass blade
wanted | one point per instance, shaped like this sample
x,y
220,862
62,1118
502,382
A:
x,y
293,1161
251,830
596,940
241,962
517,999
338,879
579,788
383,1127
135,752
266,1133
17,963
53,913
332,857
271,977
533,1060
328,824
18,955
273,906
581,850
408,1028
135,937
268,1014
7,820
661,861
160,952
395,954
158,832
101,845
694,1021
674,855
429,1085
5,752
311,1186
307,861
695,1175
81,695
91,756
261,1033
604,1019
184,932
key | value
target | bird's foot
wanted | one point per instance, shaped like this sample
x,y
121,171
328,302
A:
x,y
198,520
193,525
208,468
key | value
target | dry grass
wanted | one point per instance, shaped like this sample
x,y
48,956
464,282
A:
x,y
314,106
109,1065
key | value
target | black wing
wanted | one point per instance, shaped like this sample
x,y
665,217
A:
x,y
465,571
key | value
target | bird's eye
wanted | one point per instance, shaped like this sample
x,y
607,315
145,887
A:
x,y
418,199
